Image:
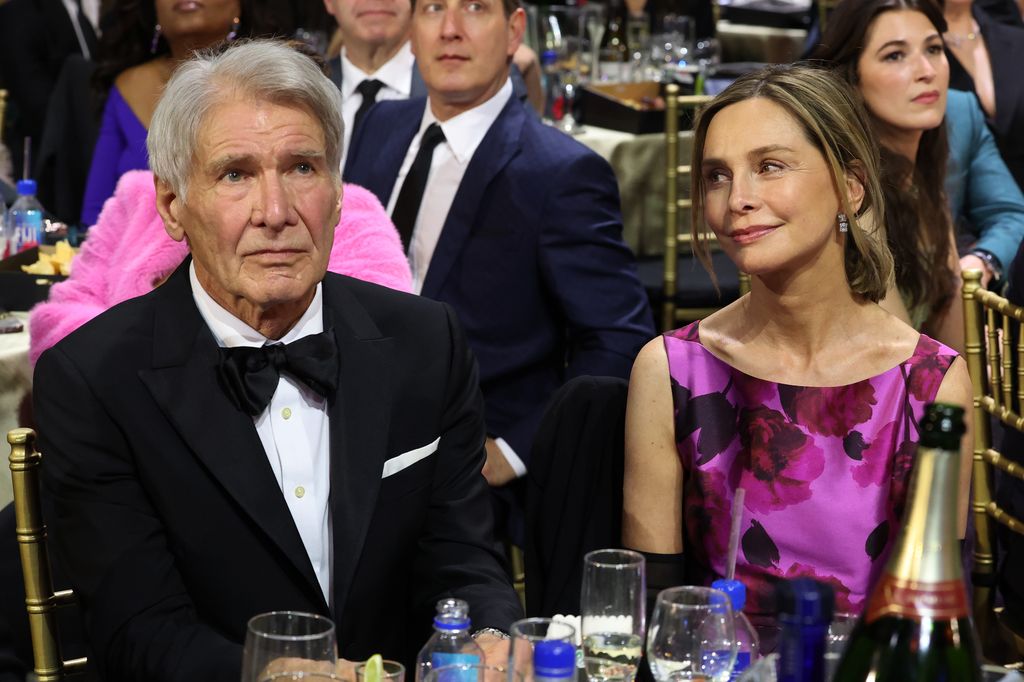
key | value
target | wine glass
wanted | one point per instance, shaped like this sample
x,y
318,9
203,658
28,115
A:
x,y
612,613
526,633
282,643
691,635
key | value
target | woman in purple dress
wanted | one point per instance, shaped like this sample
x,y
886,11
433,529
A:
x,y
805,393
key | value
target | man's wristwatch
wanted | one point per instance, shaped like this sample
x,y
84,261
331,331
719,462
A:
x,y
991,262
491,631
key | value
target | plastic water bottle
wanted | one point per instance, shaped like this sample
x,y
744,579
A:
x,y
4,235
805,611
25,220
747,643
554,661
451,642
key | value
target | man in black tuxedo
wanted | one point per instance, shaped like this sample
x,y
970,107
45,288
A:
x,y
257,435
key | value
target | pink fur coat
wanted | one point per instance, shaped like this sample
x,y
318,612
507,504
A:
x,y
127,251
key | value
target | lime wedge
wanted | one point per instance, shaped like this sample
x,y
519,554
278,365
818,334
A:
x,y
373,669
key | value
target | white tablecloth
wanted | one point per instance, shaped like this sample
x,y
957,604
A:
x,y
15,381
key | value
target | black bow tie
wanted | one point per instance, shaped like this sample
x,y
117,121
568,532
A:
x,y
250,375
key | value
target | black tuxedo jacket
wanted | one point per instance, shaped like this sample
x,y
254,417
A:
x,y
171,524
1006,50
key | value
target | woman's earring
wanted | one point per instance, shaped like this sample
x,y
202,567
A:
x,y
157,32
233,33
844,222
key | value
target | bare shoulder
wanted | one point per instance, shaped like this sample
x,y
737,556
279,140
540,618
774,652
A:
x,y
651,362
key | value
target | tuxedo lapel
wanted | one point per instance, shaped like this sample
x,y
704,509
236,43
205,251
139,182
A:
x,y
499,145
183,381
360,419
383,140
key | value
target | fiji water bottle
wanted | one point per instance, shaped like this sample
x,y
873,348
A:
x,y
4,234
451,642
25,220
747,644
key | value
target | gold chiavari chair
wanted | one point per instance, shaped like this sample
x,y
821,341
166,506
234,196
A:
x,y
41,601
992,323
3,107
677,202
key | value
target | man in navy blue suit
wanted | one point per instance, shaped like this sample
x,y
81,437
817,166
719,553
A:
x,y
514,224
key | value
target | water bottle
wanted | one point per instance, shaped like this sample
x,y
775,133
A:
x,y
554,661
451,642
554,106
805,611
4,235
25,220
747,644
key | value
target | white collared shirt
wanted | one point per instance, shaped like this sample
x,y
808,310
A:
x,y
294,429
462,135
395,74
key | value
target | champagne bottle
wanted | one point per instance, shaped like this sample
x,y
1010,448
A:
x,y
916,627
614,46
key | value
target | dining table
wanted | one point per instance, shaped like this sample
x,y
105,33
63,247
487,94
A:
x,y
15,382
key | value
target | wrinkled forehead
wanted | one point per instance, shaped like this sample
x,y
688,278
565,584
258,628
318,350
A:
x,y
239,118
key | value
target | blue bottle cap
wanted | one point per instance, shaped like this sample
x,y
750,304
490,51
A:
x,y
554,658
27,187
735,590
804,601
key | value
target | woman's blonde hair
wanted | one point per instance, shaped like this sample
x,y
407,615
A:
x,y
837,125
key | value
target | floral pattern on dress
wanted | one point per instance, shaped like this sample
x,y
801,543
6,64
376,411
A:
x,y
825,470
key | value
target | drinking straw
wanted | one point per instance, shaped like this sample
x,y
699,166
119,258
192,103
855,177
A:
x,y
734,532
26,158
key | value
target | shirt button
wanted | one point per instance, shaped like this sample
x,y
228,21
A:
x,y
286,413
300,492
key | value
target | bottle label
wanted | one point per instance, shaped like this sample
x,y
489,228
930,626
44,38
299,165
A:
x,y
894,596
742,663
439,659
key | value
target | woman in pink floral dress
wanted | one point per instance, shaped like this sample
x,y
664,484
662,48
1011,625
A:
x,y
805,393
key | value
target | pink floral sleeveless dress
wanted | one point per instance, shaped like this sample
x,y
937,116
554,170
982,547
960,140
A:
x,y
824,470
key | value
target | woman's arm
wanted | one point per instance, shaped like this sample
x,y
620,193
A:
x,y
956,390
947,323
652,515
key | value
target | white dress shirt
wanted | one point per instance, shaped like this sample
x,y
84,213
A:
x,y
462,135
294,429
395,74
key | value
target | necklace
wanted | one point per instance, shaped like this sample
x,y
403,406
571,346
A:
x,y
956,40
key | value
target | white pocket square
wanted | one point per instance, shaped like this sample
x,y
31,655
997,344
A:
x,y
407,459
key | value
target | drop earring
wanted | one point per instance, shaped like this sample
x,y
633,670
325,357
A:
x,y
233,33
157,32
844,222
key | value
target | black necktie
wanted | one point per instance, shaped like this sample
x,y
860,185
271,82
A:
x,y
407,207
368,89
250,375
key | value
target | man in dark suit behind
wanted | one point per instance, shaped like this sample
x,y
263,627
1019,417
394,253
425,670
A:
x,y
516,225
257,435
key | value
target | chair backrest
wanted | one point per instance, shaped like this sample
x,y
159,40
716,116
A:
x,y
3,107
677,204
992,324
41,601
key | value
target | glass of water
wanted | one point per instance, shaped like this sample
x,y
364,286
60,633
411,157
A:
x,y
691,636
612,613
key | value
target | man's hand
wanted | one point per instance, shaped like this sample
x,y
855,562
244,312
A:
x,y
972,262
497,470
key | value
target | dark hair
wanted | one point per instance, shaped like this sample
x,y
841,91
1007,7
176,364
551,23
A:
x,y
918,222
834,122
129,25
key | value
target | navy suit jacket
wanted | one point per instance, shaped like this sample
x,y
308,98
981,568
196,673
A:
x,y
531,258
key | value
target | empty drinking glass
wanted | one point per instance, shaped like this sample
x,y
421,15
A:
x,y
526,633
612,613
283,643
691,635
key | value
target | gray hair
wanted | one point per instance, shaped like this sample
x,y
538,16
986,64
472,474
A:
x,y
266,70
